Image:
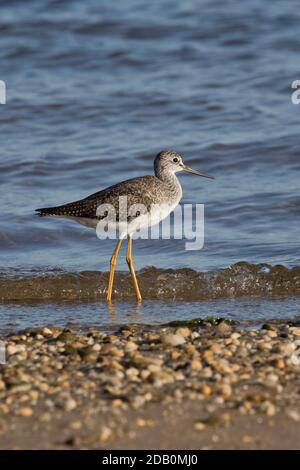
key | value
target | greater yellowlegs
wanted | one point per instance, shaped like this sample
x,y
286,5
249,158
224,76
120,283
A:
x,y
153,197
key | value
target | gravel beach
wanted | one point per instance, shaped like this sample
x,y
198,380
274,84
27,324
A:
x,y
197,385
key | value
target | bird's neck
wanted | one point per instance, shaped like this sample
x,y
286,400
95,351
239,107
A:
x,y
169,178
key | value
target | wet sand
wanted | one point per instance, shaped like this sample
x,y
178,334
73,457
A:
x,y
199,385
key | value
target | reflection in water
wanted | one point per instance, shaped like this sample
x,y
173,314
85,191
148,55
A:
x,y
152,312
133,312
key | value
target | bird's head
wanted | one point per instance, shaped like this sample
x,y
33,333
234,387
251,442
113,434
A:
x,y
171,161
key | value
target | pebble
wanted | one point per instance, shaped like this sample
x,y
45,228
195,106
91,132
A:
x,y
173,339
76,425
295,331
130,346
269,408
220,368
225,390
271,379
105,435
199,426
70,404
145,423
25,412
15,348
47,332
195,364
183,331
293,414
223,328
205,390
278,363
45,418
286,349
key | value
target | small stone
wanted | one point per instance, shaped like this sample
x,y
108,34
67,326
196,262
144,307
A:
x,y
15,348
235,335
216,348
294,359
116,352
70,404
147,396
33,395
271,334
207,372
137,401
246,407
190,349
117,403
106,434
45,418
264,346
47,332
145,374
205,390
225,417
223,328
293,414
295,331
130,346
271,379
183,331
175,355
199,426
145,423
225,390
279,363
173,339
76,425
126,333
196,365
25,412
286,349
269,408
132,373
195,335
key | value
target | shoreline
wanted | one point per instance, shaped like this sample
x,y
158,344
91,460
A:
x,y
238,280
222,385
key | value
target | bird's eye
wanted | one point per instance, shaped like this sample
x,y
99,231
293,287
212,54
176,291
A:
x,y
175,160
137,213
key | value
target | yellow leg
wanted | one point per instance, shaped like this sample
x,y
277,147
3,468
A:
x,y
131,269
113,262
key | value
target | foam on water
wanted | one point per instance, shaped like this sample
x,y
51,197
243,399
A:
x,y
238,280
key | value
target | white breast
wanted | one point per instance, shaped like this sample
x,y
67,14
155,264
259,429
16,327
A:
x,y
156,214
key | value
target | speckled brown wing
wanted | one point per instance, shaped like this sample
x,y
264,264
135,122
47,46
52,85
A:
x,y
143,190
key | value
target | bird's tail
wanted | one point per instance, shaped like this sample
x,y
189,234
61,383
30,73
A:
x,y
44,211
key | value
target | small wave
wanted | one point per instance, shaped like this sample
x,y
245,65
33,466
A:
x,y
238,280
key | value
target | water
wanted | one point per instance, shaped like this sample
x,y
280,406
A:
x,y
96,89
99,315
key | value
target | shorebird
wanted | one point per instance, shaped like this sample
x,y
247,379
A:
x,y
152,197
